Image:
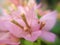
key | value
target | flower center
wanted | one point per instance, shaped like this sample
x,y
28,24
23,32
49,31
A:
x,y
42,25
27,28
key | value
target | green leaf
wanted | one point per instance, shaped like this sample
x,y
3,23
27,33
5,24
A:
x,y
22,41
50,43
25,42
37,42
43,43
28,42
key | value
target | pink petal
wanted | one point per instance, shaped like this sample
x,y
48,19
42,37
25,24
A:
x,y
31,14
3,35
21,9
49,20
16,14
5,38
3,19
8,42
20,21
34,25
2,26
14,44
14,29
32,37
47,36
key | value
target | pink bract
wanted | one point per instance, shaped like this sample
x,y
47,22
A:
x,y
26,25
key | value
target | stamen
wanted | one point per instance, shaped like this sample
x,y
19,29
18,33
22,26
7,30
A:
x,y
26,29
24,19
13,21
42,25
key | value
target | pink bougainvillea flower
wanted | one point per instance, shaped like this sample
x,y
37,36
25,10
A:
x,y
7,38
26,25
3,18
48,21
